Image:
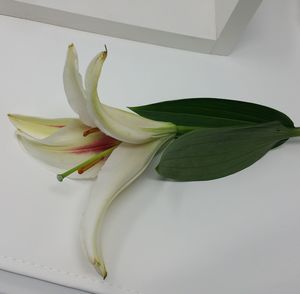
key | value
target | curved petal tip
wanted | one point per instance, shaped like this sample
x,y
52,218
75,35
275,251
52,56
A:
x,y
100,267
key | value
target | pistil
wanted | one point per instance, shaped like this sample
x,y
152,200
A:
x,y
84,166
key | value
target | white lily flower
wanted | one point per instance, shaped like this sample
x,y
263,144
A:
x,y
121,143
60,143
122,125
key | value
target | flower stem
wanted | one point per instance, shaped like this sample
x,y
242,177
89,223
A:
x,y
295,132
185,129
88,162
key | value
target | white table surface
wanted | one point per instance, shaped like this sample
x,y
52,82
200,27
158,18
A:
x,y
266,63
11,283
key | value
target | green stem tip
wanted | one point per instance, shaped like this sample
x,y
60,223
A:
x,y
185,129
295,132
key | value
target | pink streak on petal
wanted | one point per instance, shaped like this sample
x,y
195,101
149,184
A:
x,y
102,144
56,126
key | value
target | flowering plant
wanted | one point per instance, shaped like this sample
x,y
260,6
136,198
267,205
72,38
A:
x,y
202,138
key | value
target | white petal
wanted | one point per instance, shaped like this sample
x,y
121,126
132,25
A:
x,y
123,166
74,87
37,127
67,147
58,160
71,136
122,125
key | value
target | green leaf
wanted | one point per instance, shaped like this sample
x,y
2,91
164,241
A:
x,y
211,112
218,152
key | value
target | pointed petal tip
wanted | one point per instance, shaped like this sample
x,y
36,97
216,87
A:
x,y
10,116
100,267
13,118
72,50
102,56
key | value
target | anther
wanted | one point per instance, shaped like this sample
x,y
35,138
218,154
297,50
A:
x,y
90,131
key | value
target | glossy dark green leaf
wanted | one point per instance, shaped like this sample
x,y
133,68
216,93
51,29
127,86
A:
x,y
218,152
211,112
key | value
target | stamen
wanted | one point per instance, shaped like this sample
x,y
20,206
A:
x,y
88,166
82,166
90,131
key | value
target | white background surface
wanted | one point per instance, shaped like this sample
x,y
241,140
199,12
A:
x,y
235,235
11,283
192,17
223,10
199,18
207,26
